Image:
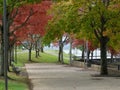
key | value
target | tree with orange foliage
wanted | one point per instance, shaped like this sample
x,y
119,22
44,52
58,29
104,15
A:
x,y
34,28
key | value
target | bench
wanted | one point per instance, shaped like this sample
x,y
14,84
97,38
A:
x,y
16,69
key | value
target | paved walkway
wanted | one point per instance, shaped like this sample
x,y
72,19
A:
x,y
63,77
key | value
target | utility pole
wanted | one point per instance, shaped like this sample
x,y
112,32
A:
x,y
5,40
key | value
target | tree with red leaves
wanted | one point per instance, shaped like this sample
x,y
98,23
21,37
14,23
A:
x,y
34,28
11,14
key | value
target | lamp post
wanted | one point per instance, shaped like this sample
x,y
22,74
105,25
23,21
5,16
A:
x,y
5,41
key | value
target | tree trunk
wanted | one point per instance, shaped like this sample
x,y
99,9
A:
x,y
9,59
103,47
10,56
41,45
111,58
15,54
62,53
2,62
41,49
36,55
8,68
2,55
59,53
83,50
29,57
70,51
36,50
88,54
91,55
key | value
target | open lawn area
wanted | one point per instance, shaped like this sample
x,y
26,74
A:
x,y
46,57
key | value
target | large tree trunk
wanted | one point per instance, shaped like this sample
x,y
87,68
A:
x,y
2,55
103,47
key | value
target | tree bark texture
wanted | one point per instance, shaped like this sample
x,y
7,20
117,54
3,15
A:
x,y
70,51
60,54
103,47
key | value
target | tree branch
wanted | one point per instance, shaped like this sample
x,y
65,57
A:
x,y
65,39
96,34
30,14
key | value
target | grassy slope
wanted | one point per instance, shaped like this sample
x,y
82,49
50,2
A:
x,y
46,57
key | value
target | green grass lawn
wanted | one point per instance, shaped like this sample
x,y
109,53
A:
x,y
15,82
13,85
44,58
55,53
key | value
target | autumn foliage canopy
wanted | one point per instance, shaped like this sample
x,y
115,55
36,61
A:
x,y
30,19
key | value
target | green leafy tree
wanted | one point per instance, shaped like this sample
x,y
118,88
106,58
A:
x,y
102,21
62,22
56,26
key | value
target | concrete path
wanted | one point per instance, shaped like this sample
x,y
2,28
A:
x,y
63,77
